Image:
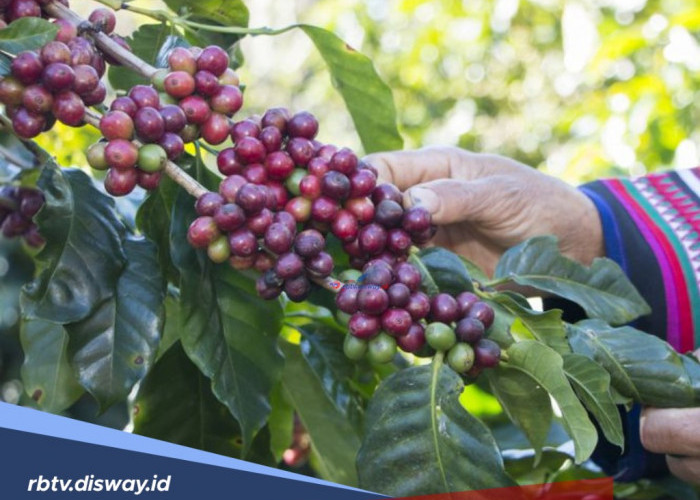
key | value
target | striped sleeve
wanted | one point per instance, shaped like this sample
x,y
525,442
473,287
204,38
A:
x,y
651,227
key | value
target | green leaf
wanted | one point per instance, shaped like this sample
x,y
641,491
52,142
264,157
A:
x,y
526,403
333,438
592,385
367,97
281,423
46,373
323,350
227,330
114,348
212,12
419,440
26,33
175,404
603,289
546,367
641,366
172,327
83,257
442,271
547,327
153,220
146,42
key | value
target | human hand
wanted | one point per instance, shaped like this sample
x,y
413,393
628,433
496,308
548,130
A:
x,y
485,204
675,433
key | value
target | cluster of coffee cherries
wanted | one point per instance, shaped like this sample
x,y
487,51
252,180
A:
x,y
195,98
11,10
17,207
59,81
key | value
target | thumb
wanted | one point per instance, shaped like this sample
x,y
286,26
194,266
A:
x,y
451,200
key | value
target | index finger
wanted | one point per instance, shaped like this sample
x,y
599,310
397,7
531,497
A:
x,y
671,431
408,168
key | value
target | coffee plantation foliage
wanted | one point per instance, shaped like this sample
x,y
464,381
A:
x,y
272,380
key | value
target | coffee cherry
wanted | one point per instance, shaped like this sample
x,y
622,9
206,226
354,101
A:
x,y
278,193
251,198
27,124
276,117
145,96
33,238
96,156
117,125
279,165
67,31
103,19
300,150
31,203
418,305
120,182
399,295
309,243
320,266
483,312
244,128
259,222
228,163
242,263
149,124
278,238
86,79
344,161
230,186
216,129
57,77
461,357
229,77
335,185
324,209
55,52
121,154
37,99
388,213
381,349
202,232
408,274
364,326
346,299
287,220
271,138
344,226
205,83
68,108
190,133
181,59
27,67
443,308
414,340
250,150
289,265
362,208
487,353
309,186
396,322
398,241
125,104
243,243
382,276
386,192
179,84
158,81
465,301
354,348
469,330
297,289
95,97
362,183
174,118
148,180
318,166
214,60
372,300
172,144
303,124
265,287
299,208
416,220
152,158
218,250
440,336
15,225
227,100
372,238
82,51
263,262
229,217
11,91
293,181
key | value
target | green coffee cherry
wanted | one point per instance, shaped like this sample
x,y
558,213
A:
x,y
96,156
461,357
152,158
219,250
292,183
382,348
440,336
354,348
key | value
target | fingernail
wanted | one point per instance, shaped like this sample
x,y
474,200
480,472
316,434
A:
x,y
426,198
